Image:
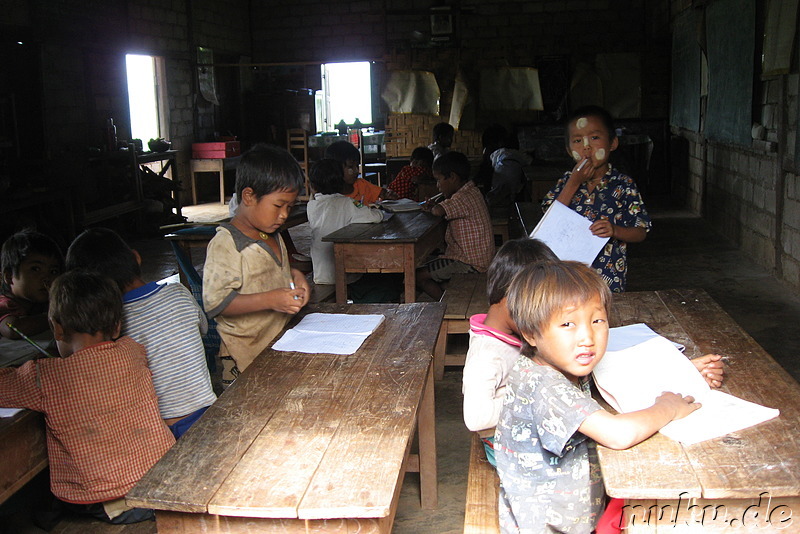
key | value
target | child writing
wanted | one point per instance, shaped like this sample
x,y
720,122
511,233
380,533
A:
x,y
104,430
545,438
30,261
164,318
443,134
248,285
601,193
468,238
329,211
405,183
354,187
494,342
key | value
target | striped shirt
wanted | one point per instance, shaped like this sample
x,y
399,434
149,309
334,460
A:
x,y
103,427
168,322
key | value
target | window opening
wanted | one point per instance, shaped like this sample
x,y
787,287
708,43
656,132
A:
x,y
346,95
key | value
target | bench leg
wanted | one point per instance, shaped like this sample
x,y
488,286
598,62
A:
x,y
426,428
439,355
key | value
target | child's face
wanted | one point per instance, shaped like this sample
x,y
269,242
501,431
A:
x,y
35,274
267,213
447,185
588,137
351,168
574,339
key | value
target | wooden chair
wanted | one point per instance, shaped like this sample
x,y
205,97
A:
x,y
297,144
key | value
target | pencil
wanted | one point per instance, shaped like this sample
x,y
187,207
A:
x,y
582,164
292,287
433,198
29,340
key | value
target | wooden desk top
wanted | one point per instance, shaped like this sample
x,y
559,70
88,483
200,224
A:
x,y
763,458
306,436
407,227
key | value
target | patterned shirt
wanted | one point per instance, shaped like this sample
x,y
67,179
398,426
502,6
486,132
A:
x,y
104,430
549,474
469,237
405,183
616,199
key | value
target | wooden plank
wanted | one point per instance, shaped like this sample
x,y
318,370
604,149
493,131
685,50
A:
x,y
182,523
24,449
458,296
483,491
479,302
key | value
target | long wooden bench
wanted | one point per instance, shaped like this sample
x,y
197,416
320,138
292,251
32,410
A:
x,y
465,296
483,489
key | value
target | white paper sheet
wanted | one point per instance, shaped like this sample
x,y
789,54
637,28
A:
x,y
623,337
329,333
632,378
567,234
400,205
9,412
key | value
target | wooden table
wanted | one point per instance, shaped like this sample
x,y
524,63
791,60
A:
x,y
309,442
750,478
218,166
398,245
23,448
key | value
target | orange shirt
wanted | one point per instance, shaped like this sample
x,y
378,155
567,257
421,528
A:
x,y
365,192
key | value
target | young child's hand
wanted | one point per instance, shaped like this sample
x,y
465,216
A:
x,y
582,171
712,369
302,288
387,194
602,228
283,299
679,405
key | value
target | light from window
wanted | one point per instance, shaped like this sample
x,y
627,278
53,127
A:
x,y
143,97
347,93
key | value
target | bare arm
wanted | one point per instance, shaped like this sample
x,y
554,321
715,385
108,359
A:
x,y
604,228
280,299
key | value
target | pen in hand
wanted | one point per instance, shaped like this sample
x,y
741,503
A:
x,y
434,198
292,287
29,340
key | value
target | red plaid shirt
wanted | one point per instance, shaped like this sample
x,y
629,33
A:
x,y
404,184
104,430
469,235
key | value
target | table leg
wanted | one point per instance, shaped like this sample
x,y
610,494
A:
x,y
426,427
341,276
409,274
439,352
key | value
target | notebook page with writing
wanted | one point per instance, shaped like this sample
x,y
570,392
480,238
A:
x,y
329,333
567,234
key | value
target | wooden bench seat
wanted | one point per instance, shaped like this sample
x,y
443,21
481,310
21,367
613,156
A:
x,y
465,296
483,488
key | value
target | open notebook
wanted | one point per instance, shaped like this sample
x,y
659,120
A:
x,y
330,333
638,369
400,205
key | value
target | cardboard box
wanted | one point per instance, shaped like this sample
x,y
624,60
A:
x,y
217,150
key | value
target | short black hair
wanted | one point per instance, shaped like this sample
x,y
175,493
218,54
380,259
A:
x,y
494,136
103,251
22,244
423,154
342,151
86,303
592,111
327,176
266,169
509,260
442,129
453,162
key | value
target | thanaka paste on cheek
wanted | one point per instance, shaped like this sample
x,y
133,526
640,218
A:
x,y
576,156
581,122
600,154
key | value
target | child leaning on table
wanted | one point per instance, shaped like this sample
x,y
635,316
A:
x,y
601,193
164,318
405,183
356,188
248,284
30,261
494,342
545,439
468,238
104,430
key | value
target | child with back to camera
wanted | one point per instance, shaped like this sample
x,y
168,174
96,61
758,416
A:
x,y
494,342
104,430
404,184
30,261
550,479
355,187
164,318
601,193
248,284
443,134
468,238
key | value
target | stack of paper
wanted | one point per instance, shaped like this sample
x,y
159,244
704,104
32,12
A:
x,y
631,377
331,333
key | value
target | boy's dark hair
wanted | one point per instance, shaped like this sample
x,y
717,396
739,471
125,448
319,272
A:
x,y
441,130
494,137
592,111
19,246
86,303
342,151
509,260
327,176
455,162
103,251
266,169
423,154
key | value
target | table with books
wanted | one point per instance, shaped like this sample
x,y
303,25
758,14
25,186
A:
x,y
744,481
310,442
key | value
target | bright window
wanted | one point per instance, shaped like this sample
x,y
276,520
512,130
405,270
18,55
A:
x,y
346,94
145,97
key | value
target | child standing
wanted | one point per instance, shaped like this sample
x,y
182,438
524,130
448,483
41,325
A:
x,y
164,318
405,183
601,193
443,134
356,188
104,430
248,285
494,342
469,240
329,211
30,261
545,440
